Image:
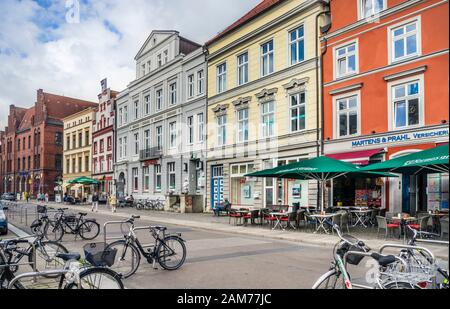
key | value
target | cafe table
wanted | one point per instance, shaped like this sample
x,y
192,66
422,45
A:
x,y
278,216
321,219
361,215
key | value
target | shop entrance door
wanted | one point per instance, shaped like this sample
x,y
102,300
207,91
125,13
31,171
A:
x,y
217,186
406,189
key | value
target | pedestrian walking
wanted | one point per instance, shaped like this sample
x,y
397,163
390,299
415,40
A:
x,y
95,202
26,196
113,203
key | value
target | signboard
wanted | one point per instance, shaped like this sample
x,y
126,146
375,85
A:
x,y
400,138
150,162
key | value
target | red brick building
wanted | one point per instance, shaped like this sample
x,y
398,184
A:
x,y
32,144
386,70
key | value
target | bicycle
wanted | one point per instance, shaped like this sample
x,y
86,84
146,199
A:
x,y
352,250
76,274
43,219
45,251
168,250
88,229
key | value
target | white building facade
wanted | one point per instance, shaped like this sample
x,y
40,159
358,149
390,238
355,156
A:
x,y
161,122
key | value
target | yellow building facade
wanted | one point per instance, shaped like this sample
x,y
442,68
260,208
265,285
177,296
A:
x,y
77,158
262,105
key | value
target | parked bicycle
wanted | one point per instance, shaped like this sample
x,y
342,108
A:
x,y
38,225
88,229
168,250
150,204
352,250
46,252
76,273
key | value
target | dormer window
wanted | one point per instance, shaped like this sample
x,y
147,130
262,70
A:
x,y
372,7
143,70
166,56
159,58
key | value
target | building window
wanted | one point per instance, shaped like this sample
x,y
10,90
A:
x,y
95,148
242,189
268,119
159,99
109,143
242,69
80,164
347,116
125,114
58,140
102,145
201,81
298,112
172,134
147,104
158,178
135,173
136,144
405,42
80,139
159,60
149,66
87,139
267,58
171,175
346,60
86,164
190,126
29,142
146,173
406,102
67,166
120,148
159,137
136,110
18,163
166,56
18,145
221,77
372,7
297,45
222,130
191,86
125,146
147,139
242,123
143,69
73,166
173,93
120,116
201,127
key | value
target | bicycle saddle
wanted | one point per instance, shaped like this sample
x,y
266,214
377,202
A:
x,y
82,214
383,260
160,228
69,256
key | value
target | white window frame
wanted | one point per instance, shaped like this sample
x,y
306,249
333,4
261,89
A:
x,y
190,130
361,6
391,105
201,127
159,137
201,82
297,41
245,69
173,135
146,179
158,177
244,121
143,69
166,56
159,60
135,175
125,147
173,93
125,114
171,171
136,143
136,109
147,102
298,106
191,86
268,54
120,148
221,77
221,122
336,113
346,55
391,46
263,115
147,139
159,95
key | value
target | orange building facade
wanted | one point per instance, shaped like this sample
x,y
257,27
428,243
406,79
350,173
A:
x,y
386,94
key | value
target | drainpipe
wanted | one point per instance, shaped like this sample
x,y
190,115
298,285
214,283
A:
x,y
205,129
319,85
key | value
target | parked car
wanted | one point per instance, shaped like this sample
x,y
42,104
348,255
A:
x,y
72,200
3,221
9,197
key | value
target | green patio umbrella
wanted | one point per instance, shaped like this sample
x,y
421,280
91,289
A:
x,y
431,161
84,181
321,169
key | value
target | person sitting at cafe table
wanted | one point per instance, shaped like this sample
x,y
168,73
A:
x,y
225,207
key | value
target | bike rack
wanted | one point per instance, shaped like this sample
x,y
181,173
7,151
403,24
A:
x,y
33,264
430,254
108,223
35,275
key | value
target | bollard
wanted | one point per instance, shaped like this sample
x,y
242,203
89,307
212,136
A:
x,y
26,216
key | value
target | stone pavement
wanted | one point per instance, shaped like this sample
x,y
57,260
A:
x,y
221,224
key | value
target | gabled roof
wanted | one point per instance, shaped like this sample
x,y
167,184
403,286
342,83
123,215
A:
x,y
261,8
59,107
169,32
26,120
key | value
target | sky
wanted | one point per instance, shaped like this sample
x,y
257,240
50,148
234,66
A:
x,y
67,47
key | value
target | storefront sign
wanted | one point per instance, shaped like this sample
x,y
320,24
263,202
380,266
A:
x,y
150,162
398,138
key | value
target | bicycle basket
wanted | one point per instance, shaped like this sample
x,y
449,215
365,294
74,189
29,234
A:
x,y
97,255
41,209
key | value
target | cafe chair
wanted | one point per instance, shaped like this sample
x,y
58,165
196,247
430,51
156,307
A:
x,y
384,225
290,217
234,215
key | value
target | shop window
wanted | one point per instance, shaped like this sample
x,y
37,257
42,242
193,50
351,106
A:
x,y
242,188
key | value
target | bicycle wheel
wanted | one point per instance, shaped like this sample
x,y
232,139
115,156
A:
x,y
172,254
400,286
6,276
330,280
127,259
97,278
89,230
46,257
53,231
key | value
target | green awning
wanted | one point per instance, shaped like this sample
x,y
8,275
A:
x,y
84,181
435,160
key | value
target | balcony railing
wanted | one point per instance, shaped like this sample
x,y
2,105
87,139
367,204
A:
x,y
151,153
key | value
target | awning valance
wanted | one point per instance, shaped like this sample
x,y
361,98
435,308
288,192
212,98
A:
x,y
356,157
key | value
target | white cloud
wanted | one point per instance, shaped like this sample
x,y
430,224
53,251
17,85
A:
x,y
38,49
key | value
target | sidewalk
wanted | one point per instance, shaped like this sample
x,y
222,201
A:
x,y
220,224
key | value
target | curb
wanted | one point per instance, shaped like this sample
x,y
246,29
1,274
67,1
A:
x,y
20,233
